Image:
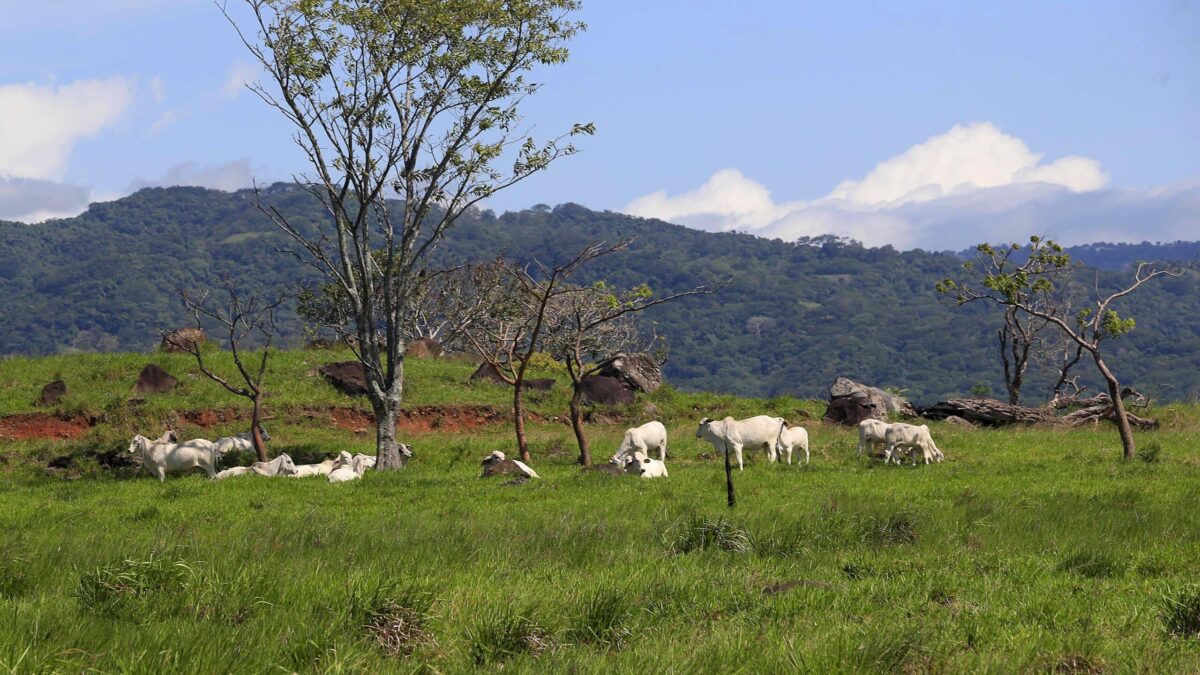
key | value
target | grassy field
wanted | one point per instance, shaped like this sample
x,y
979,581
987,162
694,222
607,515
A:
x,y
1028,550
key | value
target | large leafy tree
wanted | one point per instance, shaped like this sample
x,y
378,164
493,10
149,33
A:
x,y
400,99
1031,284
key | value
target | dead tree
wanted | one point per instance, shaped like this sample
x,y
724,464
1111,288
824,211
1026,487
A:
x,y
240,318
1034,288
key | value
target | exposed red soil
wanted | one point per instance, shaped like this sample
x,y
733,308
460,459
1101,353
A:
x,y
423,419
40,425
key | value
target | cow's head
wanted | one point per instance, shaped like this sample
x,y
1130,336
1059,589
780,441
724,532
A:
x,y
139,443
703,425
263,432
286,466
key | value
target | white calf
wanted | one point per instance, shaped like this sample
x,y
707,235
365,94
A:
x,y
649,436
642,465
163,457
871,434
754,432
305,470
349,468
794,437
910,437
280,466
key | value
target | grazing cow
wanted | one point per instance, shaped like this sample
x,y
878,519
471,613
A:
x,y
762,431
872,433
496,464
649,436
640,464
280,466
243,441
794,437
913,438
161,457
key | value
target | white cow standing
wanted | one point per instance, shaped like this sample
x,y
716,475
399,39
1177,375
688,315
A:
x,y
913,438
161,457
762,431
872,433
794,437
649,436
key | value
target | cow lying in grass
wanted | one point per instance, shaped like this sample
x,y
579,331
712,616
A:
x,y
497,464
641,465
280,466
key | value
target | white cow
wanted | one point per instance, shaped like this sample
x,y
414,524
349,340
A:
x,y
872,433
161,457
794,437
349,468
492,465
646,467
913,438
762,431
321,469
280,466
243,441
649,436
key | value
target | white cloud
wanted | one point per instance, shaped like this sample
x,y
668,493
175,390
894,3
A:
x,y
933,195
42,123
31,201
229,176
168,118
242,75
158,89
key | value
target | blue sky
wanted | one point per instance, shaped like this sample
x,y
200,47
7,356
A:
x,y
914,124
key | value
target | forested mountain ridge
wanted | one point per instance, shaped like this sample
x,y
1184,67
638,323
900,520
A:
x,y
795,317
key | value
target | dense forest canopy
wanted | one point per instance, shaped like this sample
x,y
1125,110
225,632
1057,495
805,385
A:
x,y
795,317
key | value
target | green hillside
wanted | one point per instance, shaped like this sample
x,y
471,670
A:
x,y
106,281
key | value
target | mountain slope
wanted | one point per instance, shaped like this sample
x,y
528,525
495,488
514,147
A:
x,y
106,281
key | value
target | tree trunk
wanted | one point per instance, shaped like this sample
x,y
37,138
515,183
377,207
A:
x,y
585,451
1128,449
519,418
386,405
260,446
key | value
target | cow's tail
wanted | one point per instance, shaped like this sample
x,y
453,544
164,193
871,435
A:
x,y
779,436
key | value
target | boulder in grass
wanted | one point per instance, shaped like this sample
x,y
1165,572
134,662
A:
x,y
637,371
347,377
154,380
52,393
540,384
851,403
606,390
183,339
424,348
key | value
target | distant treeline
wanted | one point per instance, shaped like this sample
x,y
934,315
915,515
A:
x,y
795,317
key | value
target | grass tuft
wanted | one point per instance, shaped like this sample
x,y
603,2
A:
x,y
1151,453
699,534
1181,613
898,528
503,633
602,621
119,589
1093,565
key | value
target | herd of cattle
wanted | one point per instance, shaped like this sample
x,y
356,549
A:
x,y
772,435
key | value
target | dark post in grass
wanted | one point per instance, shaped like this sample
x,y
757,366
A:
x,y
728,473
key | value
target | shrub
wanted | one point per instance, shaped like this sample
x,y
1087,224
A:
x,y
397,619
699,534
1151,453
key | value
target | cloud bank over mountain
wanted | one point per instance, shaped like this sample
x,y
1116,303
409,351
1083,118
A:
x,y
971,183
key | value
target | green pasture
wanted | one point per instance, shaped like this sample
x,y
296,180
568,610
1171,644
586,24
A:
x,y
1028,550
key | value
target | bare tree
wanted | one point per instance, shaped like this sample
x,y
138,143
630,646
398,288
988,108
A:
x,y
516,318
419,100
592,324
1032,288
241,318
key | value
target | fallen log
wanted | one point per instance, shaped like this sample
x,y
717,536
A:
x,y
1104,411
987,412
